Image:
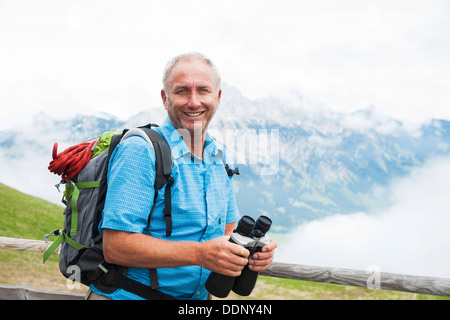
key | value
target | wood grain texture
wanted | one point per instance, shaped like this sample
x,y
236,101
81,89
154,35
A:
x,y
365,279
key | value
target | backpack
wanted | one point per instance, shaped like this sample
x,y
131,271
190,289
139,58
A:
x,y
83,169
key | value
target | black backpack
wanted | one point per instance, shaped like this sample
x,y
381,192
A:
x,y
81,253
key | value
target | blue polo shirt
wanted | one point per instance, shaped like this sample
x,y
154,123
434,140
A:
x,y
203,202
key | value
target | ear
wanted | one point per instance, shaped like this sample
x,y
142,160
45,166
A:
x,y
164,98
219,95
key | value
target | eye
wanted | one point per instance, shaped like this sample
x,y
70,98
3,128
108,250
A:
x,y
181,91
204,90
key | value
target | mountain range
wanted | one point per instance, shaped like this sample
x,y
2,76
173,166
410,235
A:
x,y
298,160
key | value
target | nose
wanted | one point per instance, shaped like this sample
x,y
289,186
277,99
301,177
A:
x,y
194,100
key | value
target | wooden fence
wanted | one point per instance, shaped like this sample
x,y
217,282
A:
x,y
348,277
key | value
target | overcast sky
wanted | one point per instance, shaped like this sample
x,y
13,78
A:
x,y
89,56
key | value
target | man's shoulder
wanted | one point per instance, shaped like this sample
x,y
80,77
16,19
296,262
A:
x,y
135,142
134,147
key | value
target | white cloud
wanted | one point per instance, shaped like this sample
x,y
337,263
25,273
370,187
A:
x,y
30,175
410,237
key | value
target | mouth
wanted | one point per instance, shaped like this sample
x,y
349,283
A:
x,y
194,114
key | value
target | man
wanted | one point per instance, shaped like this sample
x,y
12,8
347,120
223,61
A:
x,y
204,211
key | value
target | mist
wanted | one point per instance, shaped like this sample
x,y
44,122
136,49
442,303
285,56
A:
x,y
410,236
31,176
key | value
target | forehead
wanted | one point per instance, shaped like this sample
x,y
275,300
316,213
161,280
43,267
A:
x,y
192,72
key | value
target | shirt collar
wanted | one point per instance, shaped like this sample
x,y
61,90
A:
x,y
179,148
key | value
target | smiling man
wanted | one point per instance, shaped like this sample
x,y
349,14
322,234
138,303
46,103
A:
x,y
204,211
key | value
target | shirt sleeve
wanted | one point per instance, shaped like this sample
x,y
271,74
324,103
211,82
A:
x,y
131,177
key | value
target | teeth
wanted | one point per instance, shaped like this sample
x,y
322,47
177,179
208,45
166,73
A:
x,y
193,114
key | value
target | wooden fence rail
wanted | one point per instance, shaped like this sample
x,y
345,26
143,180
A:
x,y
348,277
25,245
356,278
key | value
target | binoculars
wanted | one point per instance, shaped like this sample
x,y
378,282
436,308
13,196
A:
x,y
252,236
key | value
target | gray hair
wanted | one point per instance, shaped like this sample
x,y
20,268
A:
x,y
186,57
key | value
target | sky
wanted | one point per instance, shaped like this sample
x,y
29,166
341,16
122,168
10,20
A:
x,y
64,57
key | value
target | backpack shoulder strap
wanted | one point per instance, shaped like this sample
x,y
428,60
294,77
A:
x,y
163,156
163,169
163,166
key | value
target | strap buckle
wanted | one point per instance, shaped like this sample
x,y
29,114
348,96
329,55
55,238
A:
x,y
55,232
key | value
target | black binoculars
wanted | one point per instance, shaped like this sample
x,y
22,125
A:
x,y
252,236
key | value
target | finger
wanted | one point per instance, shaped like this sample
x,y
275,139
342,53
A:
x,y
238,250
262,255
272,245
266,252
259,265
261,261
235,268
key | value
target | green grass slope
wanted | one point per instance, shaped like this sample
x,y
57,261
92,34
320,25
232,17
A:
x,y
26,217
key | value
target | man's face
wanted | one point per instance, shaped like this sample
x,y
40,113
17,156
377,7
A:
x,y
192,95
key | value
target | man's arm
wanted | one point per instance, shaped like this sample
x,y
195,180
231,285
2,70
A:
x,y
144,251
229,228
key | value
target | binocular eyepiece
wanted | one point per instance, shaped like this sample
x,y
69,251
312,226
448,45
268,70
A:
x,y
251,235
247,226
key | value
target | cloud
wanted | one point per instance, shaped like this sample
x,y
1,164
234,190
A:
x,y
30,175
410,236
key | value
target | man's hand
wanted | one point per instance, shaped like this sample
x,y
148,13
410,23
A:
x,y
260,261
222,256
